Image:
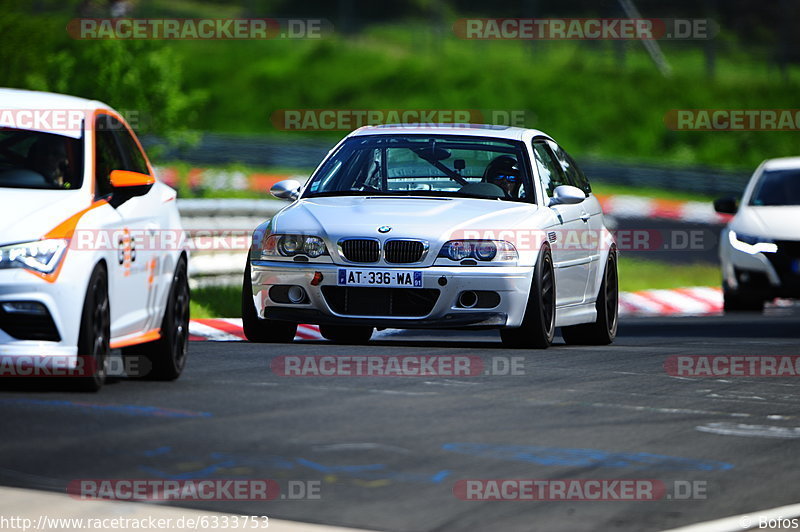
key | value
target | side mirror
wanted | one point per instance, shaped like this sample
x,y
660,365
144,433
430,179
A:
x,y
567,195
130,184
288,189
726,205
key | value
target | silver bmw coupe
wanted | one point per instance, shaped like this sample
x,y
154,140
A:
x,y
436,227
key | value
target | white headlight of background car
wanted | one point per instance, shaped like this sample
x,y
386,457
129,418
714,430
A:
x,y
42,255
480,250
293,245
752,244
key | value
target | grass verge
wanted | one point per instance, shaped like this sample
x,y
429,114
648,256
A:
x,y
635,275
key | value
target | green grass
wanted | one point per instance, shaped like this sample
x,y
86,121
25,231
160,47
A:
x,y
575,91
216,302
580,92
634,275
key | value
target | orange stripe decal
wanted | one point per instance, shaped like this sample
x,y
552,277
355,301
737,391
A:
x,y
67,228
64,230
149,336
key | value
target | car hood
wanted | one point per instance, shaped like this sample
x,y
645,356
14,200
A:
x,y
433,219
775,222
30,214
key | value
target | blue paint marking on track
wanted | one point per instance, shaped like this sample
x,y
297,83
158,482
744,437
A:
x,y
132,410
214,463
557,456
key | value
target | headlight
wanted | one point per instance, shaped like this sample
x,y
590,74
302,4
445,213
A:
x,y
751,244
293,245
480,250
42,255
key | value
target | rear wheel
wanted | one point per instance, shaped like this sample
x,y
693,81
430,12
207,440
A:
x,y
538,325
95,332
604,329
164,359
733,302
346,334
257,330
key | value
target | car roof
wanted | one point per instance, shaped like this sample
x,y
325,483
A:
x,y
25,99
477,130
782,163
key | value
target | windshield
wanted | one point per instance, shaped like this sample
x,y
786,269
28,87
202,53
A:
x,y
443,165
777,187
32,159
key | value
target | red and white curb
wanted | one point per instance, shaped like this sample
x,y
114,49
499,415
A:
x,y
696,301
230,330
701,212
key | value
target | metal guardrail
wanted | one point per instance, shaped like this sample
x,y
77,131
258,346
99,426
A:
x,y
302,152
218,231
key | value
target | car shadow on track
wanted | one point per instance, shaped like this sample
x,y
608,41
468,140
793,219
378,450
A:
x,y
745,325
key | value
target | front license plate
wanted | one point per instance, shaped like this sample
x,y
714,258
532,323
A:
x,y
395,279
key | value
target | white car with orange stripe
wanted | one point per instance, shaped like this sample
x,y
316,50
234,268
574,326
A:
x,y
91,254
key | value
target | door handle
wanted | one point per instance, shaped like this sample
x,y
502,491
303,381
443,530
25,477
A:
x,y
585,216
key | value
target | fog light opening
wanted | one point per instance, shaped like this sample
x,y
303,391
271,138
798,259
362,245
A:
x,y
468,299
296,294
25,307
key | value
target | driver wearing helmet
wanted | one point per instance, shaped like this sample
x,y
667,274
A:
x,y
48,156
503,171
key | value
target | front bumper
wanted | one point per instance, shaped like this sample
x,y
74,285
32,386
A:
x,y
764,275
511,284
62,300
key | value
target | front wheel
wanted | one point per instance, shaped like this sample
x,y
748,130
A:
x,y
733,302
539,323
257,330
604,329
346,334
94,336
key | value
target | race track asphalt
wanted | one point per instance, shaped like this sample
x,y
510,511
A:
x,y
386,452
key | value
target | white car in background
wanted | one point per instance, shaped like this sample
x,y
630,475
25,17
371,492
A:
x,y
446,226
760,247
77,196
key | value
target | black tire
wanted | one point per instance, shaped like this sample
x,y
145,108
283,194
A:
x,y
256,329
346,334
538,325
604,329
165,358
733,302
94,336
